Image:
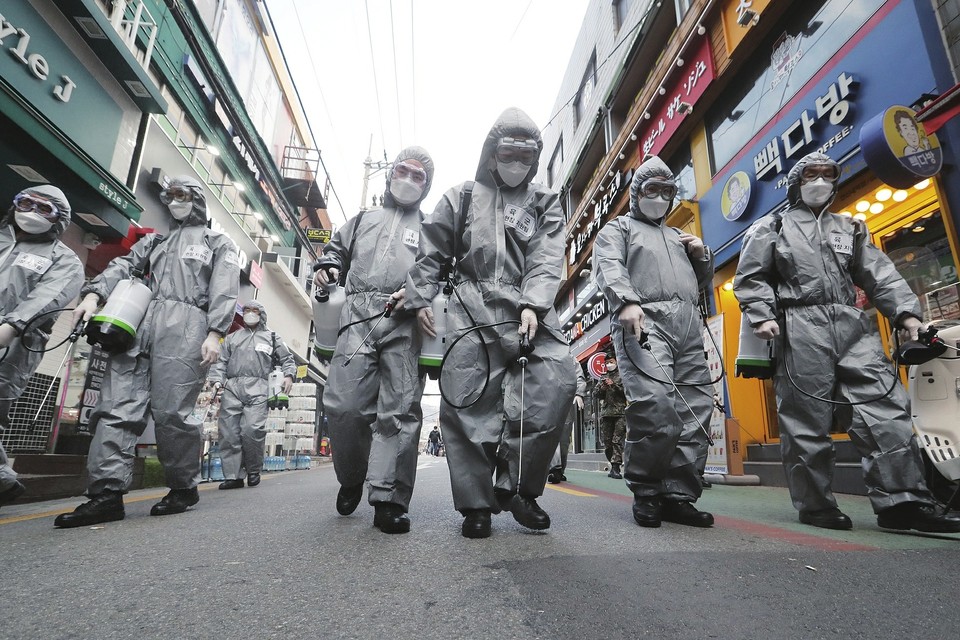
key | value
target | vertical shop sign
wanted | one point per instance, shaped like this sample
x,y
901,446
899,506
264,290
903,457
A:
x,y
96,368
717,454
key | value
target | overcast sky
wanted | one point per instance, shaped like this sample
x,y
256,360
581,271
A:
x,y
443,70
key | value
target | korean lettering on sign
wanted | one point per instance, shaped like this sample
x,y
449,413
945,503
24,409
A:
x,y
600,211
832,105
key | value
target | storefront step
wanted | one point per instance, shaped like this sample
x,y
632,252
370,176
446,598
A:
x,y
847,476
52,477
846,452
588,462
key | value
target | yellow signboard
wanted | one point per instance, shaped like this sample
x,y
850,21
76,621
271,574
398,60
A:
x,y
301,372
318,236
738,18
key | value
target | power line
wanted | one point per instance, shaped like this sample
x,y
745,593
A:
x,y
396,76
376,83
520,21
413,72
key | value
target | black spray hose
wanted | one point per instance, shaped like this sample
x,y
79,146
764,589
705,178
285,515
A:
x,y
680,384
486,352
72,337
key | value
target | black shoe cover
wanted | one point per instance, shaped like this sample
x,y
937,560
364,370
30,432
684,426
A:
x,y
476,524
177,501
684,513
102,507
527,512
918,516
348,498
390,518
831,518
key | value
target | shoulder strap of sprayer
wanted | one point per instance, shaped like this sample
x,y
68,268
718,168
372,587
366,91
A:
x,y
143,269
274,358
466,195
353,242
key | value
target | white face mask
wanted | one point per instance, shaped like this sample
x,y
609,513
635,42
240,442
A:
x,y
612,366
180,210
31,222
251,319
816,193
653,208
404,191
512,173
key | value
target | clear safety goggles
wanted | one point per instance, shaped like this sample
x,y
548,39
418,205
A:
x,y
513,150
175,194
409,172
45,208
663,189
811,172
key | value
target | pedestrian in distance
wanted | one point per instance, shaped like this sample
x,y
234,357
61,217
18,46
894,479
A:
x,y
247,358
500,238
651,275
373,399
194,275
797,284
40,275
433,441
613,425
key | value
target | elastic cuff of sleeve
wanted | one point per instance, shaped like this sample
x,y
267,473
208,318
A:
x,y
903,315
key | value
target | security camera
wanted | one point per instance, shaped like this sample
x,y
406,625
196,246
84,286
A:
x,y
748,17
684,108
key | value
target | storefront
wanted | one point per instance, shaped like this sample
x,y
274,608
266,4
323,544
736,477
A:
x,y
72,102
832,67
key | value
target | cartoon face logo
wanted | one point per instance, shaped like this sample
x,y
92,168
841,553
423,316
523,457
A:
x,y
736,196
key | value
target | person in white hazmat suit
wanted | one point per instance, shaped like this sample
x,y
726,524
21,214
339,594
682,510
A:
x,y
509,252
373,402
247,357
796,282
194,273
651,275
39,274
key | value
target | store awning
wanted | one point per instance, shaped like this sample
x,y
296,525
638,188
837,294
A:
x,y
34,151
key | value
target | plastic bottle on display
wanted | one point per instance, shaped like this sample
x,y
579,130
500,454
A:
x,y
114,328
327,304
433,349
216,464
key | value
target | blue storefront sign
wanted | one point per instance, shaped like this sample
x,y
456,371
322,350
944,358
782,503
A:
x,y
862,80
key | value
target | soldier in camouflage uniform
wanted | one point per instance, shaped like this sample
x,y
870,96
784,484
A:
x,y
613,425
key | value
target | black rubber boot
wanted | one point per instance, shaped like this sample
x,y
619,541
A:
x,y
234,483
177,501
918,516
390,518
102,507
831,518
615,471
348,498
646,511
476,523
685,513
253,479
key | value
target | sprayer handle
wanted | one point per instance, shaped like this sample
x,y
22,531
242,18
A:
x,y
388,308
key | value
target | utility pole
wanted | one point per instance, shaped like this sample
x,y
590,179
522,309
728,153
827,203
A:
x,y
370,168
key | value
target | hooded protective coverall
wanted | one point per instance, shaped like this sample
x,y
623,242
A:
x,y
195,278
511,247
374,402
246,360
39,273
801,269
640,260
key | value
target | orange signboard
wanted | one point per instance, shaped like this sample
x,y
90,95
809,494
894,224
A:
x,y
739,16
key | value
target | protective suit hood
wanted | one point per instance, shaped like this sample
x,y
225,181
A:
x,y
58,198
253,304
653,167
793,177
512,122
198,216
410,153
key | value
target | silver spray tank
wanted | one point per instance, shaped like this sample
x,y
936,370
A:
x,y
327,304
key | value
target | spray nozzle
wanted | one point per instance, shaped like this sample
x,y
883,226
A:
x,y
928,346
388,308
644,340
526,348
78,330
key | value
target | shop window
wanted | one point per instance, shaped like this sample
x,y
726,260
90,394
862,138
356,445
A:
x,y
682,6
681,164
585,95
620,10
811,35
187,137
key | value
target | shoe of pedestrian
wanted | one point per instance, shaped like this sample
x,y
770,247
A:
x,y
918,516
554,477
348,498
684,513
527,512
253,479
102,507
615,471
476,524
706,484
176,501
503,500
9,495
390,518
646,511
231,484
831,518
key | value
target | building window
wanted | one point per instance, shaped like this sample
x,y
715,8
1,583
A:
x,y
556,162
620,9
682,6
587,85
681,164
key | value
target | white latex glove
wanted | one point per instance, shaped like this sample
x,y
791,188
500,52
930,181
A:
x,y
631,319
399,297
768,330
210,349
911,329
693,245
528,323
425,319
7,334
578,401
287,384
87,307
320,277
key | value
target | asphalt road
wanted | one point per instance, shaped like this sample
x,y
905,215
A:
x,y
278,562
